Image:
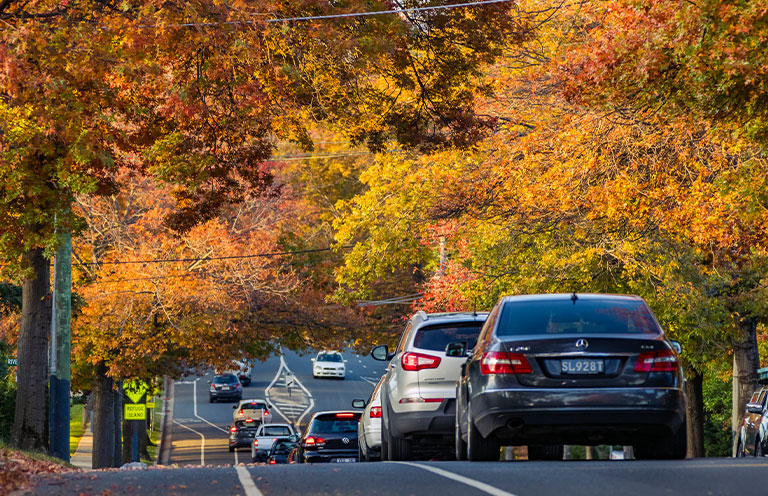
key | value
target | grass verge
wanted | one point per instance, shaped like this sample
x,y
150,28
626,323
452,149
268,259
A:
x,y
76,428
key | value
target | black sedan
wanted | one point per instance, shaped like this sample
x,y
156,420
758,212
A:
x,y
753,432
330,437
558,369
225,387
241,433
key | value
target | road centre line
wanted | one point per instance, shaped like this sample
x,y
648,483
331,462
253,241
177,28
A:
x,y
247,482
194,403
481,486
202,441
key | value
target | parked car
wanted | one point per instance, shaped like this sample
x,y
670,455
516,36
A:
x,y
225,387
256,409
330,437
280,452
241,433
329,364
753,431
418,393
369,425
266,436
558,369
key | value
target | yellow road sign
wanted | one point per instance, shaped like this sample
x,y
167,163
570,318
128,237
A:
x,y
150,404
135,390
135,411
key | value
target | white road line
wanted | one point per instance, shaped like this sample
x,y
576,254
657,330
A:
x,y
481,486
271,384
202,441
194,398
247,482
368,380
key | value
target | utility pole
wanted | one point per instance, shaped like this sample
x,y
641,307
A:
x,y
60,349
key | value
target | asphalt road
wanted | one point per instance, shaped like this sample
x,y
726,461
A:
x,y
200,438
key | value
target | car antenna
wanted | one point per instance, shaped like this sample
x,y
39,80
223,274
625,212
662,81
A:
x,y
574,297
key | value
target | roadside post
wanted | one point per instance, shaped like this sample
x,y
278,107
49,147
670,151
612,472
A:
x,y
289,382
60,345
135,411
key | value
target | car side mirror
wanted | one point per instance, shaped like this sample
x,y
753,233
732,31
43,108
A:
x,y
677,347
456,349
234,407
754,408
358,403
312,359
209,382
381,353
294,438
345,361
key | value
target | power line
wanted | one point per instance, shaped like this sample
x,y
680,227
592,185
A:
x,y
204,259
333,16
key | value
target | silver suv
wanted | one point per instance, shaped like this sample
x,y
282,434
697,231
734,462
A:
x,y
418,393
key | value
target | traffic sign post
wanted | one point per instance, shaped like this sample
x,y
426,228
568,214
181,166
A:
x,y
135,411
289,382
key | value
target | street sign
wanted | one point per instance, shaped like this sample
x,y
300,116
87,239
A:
x,y
150,404
12,362
135,390
135,411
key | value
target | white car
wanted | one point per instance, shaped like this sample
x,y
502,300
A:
x,y
369,425
255,409
329,364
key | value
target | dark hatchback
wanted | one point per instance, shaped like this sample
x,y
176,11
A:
x,y
280,452
241,433
558,369
225,387
330,437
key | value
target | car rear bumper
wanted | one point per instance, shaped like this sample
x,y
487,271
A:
x,y
240,442
328,373
579,416
226,395
439,421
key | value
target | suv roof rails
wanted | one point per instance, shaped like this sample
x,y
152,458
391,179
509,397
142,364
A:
x,y
423,315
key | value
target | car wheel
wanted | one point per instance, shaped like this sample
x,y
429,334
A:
x,y
671,448
460,444
211,400
399,448
231,449
545,452
480,448
759,447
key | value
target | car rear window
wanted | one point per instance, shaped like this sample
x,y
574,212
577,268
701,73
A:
x,y
331,424
225,379
584,316
437,337
329,357
254,406
276,430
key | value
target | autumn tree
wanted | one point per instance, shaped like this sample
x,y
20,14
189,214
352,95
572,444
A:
x,y
194,94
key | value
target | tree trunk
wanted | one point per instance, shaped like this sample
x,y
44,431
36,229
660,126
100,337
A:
x,y
118,419
103,419
694,414
127,441
746,361
30,424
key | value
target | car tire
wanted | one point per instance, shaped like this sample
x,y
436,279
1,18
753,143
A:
x,y
231,449
399,449
479,448
460,444
211,400
759,448
739,449
671,448
545,452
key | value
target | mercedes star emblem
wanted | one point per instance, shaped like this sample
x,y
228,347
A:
x,y
345,440
582,343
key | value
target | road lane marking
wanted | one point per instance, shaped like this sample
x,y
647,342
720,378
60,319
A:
x,y
369,380
202,441
291,417
481,486
247,482
194,404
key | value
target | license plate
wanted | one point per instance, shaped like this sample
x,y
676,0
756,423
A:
x,y
581,366
343,460
225,388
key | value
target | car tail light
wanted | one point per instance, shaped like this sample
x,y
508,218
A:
x,y
240,412
249,420
212,388
345,415
501,362
255,442
375,412
657,361
238,386
272,462
418,361
313,441
233,429
266,412
419,399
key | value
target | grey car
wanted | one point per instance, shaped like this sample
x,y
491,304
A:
x,y
558,369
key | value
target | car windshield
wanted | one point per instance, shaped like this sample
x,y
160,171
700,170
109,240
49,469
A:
x,y
437,337
225,379
582,316
329,357
276,430
333,425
